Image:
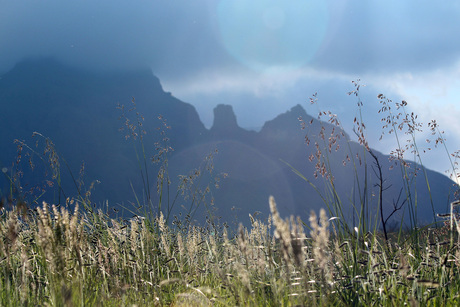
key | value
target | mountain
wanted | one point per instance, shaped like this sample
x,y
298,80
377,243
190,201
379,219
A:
x,y
78,111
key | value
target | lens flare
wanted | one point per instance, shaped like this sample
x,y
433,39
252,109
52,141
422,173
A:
x,y
263,34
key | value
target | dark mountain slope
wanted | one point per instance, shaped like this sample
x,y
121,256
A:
x,y
78,111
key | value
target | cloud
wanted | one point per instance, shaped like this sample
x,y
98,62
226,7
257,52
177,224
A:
x,y
260,97
354,37
433,94
390,36
174,38
181,38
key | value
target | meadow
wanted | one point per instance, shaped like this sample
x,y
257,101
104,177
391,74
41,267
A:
x,y
74,254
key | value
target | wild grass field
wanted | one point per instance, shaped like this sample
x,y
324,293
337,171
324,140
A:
x,y
73,254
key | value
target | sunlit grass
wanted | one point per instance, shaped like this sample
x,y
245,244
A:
x,y
57,256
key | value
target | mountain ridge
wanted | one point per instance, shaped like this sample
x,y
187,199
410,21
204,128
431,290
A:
x,y
77,110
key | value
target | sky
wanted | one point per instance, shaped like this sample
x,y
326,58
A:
x,y
263,56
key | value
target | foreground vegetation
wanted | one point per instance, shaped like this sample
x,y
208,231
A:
x,y
50,256
75,255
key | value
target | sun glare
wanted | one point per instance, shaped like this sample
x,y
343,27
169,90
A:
x,y
261,34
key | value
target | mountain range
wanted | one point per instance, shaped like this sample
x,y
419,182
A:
x,y
225,171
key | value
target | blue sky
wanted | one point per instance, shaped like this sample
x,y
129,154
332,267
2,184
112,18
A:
x,y
261,56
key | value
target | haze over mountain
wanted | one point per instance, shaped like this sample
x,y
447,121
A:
x,y
78,111
261,56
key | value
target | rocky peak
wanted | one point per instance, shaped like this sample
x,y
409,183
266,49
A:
x,y
224,118
288,121
225,125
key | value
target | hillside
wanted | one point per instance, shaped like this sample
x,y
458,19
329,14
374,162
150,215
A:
x,y
78,111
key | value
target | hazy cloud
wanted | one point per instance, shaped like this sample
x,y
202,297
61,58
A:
x,y
183,37
390,36
173,37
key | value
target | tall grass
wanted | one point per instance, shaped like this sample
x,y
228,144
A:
x,y
396,121
54,256
161,197
71,254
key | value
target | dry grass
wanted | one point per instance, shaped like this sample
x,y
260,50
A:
x,y
57,256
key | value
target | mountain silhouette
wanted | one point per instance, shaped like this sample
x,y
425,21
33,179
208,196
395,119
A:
x,y
79,111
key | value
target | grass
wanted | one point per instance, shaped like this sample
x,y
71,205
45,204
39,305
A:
x,y
57,257
73,255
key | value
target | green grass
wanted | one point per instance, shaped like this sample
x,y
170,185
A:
x,y
74,255
55,257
